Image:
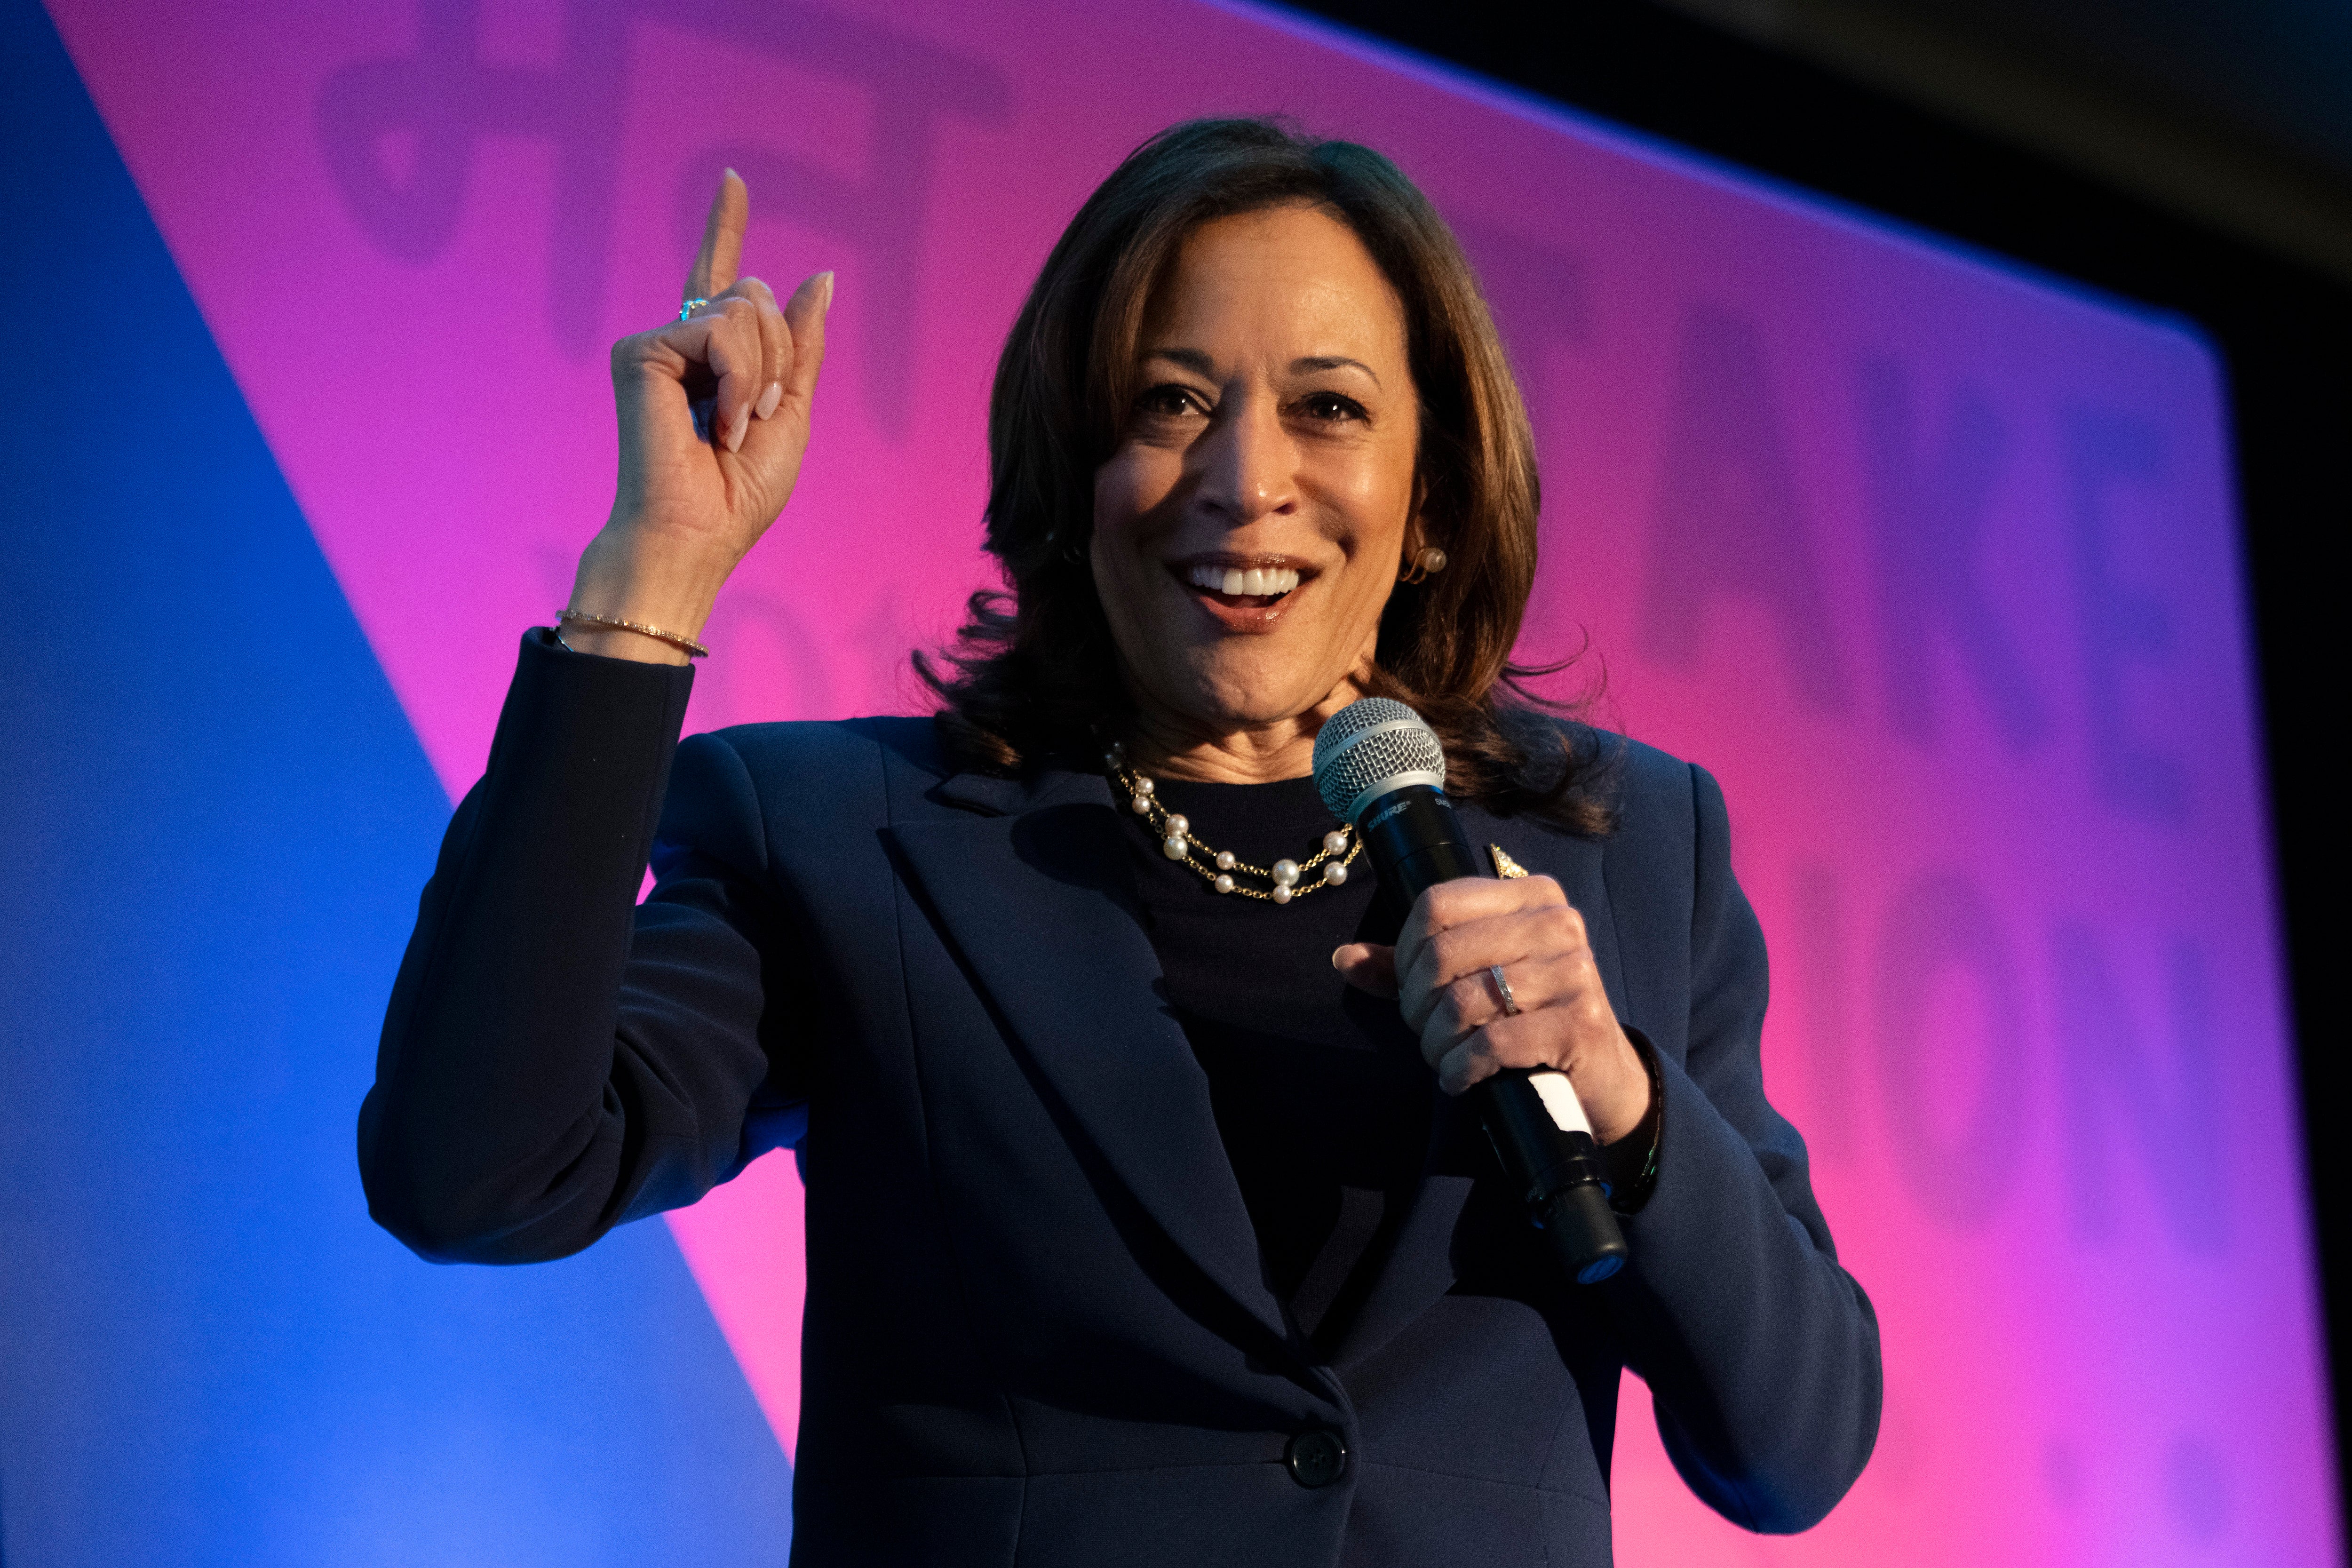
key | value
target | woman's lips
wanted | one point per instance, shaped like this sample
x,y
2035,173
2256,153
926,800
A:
x,y
1239,597
1243,583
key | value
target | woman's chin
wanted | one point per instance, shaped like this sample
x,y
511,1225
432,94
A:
x,y
1243,694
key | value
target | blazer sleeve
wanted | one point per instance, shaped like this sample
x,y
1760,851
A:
x,y
557,1059
1762,1353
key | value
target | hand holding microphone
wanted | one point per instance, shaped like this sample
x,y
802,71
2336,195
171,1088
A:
x,y
1538,1045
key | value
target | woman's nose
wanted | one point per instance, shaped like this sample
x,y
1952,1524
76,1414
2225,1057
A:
x,y
1249,465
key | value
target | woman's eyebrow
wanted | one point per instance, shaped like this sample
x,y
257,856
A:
x,y
1197,361
1333,361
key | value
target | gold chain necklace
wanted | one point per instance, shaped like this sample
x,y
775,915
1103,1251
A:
x,y
1284,879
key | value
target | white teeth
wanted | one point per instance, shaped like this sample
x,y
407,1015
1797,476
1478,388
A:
x,y
1253,583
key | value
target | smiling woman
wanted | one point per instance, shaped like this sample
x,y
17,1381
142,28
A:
x,y
1360,406
1267,444
1144,1224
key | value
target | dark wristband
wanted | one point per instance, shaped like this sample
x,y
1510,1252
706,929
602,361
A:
x,y
1632,1160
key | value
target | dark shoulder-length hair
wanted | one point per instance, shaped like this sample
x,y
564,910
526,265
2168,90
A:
x,y
1033,676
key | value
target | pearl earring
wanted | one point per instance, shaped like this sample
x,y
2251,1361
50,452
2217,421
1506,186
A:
x,y
1427,562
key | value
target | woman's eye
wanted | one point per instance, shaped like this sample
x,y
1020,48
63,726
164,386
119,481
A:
x,y
1332,406
1171,400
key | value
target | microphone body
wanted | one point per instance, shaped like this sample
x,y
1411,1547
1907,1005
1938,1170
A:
x,y
1532,1117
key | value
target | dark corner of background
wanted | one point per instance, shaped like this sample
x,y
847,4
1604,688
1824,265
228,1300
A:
x,y
2281,324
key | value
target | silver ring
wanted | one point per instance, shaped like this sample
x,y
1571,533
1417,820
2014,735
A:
x,y
685,311
1502,989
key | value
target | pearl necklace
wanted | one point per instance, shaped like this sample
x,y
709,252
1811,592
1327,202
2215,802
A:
x,y
1284,879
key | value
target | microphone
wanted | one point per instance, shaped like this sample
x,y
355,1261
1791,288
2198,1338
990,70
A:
x,y
1379,768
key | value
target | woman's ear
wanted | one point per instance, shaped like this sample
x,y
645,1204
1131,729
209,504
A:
x,y
1421,560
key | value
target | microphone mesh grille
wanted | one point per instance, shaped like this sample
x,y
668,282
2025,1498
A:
x,y
1371,740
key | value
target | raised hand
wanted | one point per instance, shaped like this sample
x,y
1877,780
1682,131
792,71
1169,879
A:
x,y
690,507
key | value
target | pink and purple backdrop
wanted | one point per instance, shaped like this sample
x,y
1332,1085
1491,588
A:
x,y
1933,562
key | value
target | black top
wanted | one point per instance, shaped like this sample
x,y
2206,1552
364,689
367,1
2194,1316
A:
x,y
1321,1097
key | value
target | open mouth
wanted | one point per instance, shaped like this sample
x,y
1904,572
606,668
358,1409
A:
x,y
1241,587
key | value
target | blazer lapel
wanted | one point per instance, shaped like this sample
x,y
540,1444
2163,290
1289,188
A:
x,y
1037,901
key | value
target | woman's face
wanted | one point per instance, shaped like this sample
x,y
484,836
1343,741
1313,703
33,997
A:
x,y
1248,528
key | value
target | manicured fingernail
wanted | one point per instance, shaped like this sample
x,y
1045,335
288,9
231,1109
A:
x,y
735,431
769,399
1334,956
828,293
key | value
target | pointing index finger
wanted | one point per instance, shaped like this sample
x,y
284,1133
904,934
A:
x,y
721,258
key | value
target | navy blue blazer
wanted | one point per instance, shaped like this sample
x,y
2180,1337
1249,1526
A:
x,y
1036,1330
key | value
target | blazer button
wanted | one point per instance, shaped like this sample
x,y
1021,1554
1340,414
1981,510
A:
x,y
1316,1459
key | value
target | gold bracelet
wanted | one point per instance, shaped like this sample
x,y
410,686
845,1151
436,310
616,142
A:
x,y
691,648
